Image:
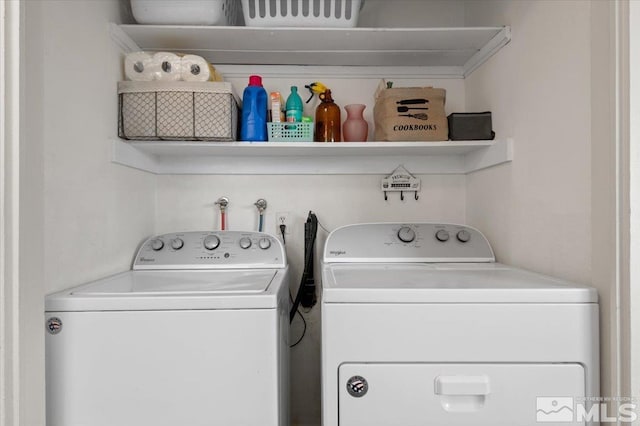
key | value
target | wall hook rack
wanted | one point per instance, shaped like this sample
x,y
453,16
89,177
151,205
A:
x,y
400,180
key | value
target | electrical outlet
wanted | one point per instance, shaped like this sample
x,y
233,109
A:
x,y
283,218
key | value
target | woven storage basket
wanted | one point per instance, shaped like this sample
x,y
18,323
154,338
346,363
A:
x,y
301,13
181,110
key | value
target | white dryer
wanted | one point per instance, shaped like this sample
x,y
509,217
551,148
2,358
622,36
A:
x,y
196,334
420,326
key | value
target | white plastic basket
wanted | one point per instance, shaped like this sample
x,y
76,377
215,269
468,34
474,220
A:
x,y
186,12
301,13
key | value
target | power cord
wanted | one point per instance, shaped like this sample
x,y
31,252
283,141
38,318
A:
x,y
311,230
304,324
283,229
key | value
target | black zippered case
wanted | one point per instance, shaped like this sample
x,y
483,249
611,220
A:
x,y
470,126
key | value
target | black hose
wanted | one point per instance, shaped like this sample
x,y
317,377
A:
x,y
312,227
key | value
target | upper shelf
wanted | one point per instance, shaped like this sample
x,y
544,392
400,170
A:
x,y
292,158
454,51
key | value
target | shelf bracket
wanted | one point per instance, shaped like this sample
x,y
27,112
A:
x,y
488,50
122,39
499,153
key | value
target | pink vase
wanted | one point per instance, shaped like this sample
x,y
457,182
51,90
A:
x,y
355,127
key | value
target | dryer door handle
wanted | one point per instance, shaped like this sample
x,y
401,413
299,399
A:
x,y
461,385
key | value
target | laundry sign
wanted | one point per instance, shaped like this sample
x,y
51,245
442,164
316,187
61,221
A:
x,y
410,114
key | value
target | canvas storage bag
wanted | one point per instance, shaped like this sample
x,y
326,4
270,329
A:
x,y
410,114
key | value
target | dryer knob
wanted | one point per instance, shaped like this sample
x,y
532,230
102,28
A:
x,y
211,242
264,243
245,242
463,236
177,243
406,234
442,235
157,244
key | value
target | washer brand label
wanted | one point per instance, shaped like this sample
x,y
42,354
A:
x,y
54,325
337,252
146,259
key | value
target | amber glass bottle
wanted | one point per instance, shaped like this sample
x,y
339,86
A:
x,y
327,120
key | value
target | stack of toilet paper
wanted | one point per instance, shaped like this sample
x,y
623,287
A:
x,y
167,66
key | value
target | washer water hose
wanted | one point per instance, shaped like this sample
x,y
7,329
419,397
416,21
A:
x,y
223,202
261,205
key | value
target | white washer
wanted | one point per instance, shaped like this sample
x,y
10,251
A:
x,y
420,326
196,334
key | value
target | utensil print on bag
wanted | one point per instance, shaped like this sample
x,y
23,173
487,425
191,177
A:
x,y
412,101
419,116
406,108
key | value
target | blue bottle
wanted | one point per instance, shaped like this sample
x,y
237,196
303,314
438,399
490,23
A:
x,y
253,126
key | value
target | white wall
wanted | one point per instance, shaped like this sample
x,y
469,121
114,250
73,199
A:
x,y
31,295
412,13
96,212
536,211
80,214
553,209
634,49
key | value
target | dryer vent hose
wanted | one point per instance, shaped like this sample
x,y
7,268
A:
x,y
307,290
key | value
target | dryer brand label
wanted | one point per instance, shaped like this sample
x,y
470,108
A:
x,y
357,386
146,259
54,325
337,252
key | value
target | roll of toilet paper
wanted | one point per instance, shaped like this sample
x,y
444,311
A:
x,y
170,66
196,68
140,66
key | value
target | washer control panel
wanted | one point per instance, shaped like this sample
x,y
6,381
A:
x,y
407,242
210,250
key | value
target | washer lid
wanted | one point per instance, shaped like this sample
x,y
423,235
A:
x,y
446,283
157,290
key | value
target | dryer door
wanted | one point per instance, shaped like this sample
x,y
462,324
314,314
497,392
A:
x,y
461,394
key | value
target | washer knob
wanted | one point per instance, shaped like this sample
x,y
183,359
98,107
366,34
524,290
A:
x,y
157,244
177,243
264,243
442,235
211,242
463,236
245,242
406,234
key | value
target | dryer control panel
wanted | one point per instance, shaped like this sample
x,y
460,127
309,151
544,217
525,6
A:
x,y
407,242
211,250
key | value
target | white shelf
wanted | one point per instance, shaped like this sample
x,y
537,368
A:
x,y
445,51
293,158
383,52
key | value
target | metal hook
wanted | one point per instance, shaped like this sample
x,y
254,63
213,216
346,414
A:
x,y
401,195
416,195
